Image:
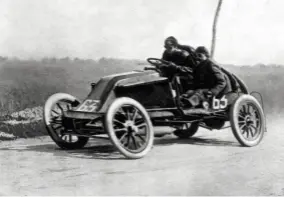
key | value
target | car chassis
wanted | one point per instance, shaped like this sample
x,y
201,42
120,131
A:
x,y
127,106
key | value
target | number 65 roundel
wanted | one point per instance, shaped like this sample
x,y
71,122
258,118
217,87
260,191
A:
x,y
219,103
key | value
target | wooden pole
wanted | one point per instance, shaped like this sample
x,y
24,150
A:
x,y
214,28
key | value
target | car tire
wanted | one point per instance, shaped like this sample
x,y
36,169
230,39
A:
x,y
54,125
124,114
247,121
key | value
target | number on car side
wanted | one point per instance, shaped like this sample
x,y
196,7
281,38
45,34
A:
x,y
89,105
219,103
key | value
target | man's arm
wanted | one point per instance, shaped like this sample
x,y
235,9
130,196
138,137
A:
x,y
165,56
187,48
220,79
182,69
191,58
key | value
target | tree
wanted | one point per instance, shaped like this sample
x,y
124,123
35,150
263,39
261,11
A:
x,y
214,28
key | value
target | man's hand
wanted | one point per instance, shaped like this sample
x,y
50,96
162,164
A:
x,y
171,64
173,67
168,65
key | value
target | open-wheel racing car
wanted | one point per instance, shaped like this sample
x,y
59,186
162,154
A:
x,y
126,107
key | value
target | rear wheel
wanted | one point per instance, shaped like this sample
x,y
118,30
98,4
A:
x,y
53,111
129,127
187,131
247,121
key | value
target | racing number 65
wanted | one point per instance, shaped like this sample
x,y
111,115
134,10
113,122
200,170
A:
x,y
219,103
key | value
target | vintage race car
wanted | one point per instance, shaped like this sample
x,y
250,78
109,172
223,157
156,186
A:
x,y
127,106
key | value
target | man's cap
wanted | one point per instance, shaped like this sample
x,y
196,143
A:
x,y
171,40
202,50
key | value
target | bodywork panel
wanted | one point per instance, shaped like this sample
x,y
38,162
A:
x,y
147,87
151,94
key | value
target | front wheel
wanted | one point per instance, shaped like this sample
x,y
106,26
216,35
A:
x,y
247,121
129,127
52,116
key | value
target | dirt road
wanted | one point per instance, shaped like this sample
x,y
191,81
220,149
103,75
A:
x,y
212,163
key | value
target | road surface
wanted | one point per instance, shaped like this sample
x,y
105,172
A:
x,y
212,163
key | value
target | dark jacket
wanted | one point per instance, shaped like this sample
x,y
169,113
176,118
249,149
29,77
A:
x,y
187,48
208,75
184,56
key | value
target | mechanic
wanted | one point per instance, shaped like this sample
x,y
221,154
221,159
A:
x,y
208,80
233,80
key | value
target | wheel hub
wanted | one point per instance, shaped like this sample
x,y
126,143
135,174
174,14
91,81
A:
x,y
131,126
248,120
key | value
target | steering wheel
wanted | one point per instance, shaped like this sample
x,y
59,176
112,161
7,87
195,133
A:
x,y
158,62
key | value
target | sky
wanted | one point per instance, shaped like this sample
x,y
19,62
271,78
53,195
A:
x,y
249,31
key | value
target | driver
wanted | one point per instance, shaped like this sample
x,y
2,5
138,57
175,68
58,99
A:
x,y
178,54
181,58
208,80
